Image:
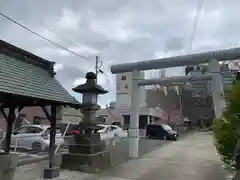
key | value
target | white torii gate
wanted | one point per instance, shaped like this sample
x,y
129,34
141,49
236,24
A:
x,y
212,58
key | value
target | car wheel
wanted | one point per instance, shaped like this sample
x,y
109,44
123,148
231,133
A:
x,y
36,147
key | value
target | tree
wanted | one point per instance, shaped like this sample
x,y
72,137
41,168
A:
x,y
227,128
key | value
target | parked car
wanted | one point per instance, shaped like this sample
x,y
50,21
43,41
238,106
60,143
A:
x,y
34,137
111,131
161,131
108,131
118,131
72,129
119,124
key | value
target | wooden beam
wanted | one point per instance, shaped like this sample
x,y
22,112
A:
x,y
20,108
46,113
4,114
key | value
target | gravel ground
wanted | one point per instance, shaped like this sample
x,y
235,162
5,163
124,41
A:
x,y
120,152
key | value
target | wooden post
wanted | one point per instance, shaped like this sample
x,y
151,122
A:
x,y
53,120
10,120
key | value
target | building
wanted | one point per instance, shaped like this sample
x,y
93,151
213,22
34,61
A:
x,y
169,103
203,86
199,105
70,114
122,115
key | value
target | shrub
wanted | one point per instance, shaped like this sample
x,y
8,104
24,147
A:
x,y
226,129
225,140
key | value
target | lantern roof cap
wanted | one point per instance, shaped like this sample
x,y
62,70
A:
x,y
90,86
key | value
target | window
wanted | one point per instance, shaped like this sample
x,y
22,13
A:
x,y
113,128
36,120
34,130
124,78
126,86
22,130
49,130
166,127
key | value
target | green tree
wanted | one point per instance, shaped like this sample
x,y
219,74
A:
x,y
227,128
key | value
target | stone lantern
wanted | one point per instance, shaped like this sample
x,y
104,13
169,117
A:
x,y
90,91
86,152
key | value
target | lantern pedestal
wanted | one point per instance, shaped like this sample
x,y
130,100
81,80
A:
x,y
88,153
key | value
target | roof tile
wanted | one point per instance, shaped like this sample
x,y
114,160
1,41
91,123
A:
x,y
23,78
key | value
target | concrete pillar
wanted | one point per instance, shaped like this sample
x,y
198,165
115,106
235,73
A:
x,y
217,88
134,118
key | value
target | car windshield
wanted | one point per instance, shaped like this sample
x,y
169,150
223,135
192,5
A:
x,y
166,127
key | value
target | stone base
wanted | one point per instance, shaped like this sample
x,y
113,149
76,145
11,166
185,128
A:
x,y
8,166
50,173
86,163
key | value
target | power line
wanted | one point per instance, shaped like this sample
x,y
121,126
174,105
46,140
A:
x,y
98,62
195,25
42,37
60,36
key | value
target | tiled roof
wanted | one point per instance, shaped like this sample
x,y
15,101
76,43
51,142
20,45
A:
x,y
24,78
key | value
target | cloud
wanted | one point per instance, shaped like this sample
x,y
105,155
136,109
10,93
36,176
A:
x,y
58,67
69,20
118,31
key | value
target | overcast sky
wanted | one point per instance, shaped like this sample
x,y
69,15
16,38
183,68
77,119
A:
x,y
117,30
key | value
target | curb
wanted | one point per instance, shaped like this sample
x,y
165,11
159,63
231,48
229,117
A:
x,y
31,160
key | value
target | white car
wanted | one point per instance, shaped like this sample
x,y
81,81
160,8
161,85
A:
x,y
111,131
34,137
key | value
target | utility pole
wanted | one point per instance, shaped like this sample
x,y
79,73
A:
x,y
96,67
180,108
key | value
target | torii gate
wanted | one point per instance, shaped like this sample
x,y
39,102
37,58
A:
x,y
212,58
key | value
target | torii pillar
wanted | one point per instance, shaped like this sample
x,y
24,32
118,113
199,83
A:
x,y
134,117
217,88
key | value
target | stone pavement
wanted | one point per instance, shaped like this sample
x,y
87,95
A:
x,y
192,157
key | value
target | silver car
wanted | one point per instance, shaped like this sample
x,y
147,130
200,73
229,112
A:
x,y
34,137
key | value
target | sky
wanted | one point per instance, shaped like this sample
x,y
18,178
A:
x,y
118,31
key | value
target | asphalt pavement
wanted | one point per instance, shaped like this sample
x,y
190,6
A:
x,y
120,151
